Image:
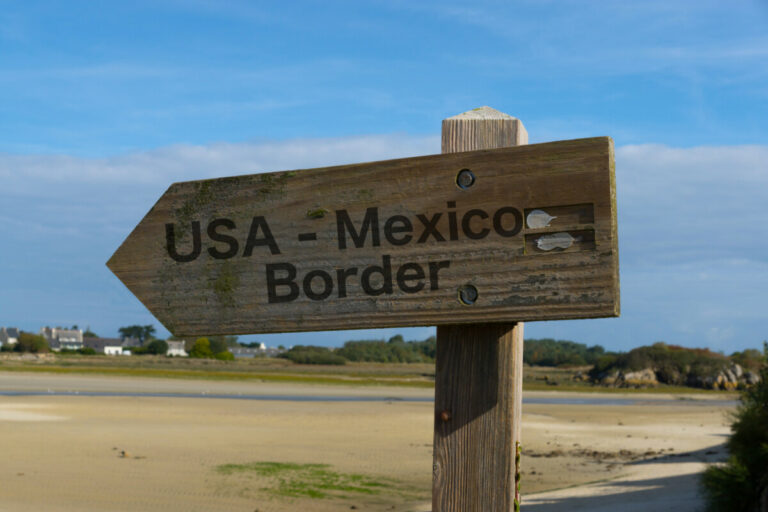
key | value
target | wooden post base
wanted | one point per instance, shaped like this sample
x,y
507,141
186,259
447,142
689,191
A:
x,y
478,389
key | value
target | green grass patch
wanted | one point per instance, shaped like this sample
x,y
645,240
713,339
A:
x,y
317,481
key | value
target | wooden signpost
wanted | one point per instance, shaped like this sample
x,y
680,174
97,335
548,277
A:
x,y
474,240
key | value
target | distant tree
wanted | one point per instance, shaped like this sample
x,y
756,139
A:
x,y
229,341
142,332
157,347
749,359
393,351
89,333
308,354
31,343
550,352
75,327
201,349
148,333
218,344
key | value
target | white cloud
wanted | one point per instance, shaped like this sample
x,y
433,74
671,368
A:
x,y
24,173
684,204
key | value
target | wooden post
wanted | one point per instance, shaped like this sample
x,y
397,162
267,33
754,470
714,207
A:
x,y
479,375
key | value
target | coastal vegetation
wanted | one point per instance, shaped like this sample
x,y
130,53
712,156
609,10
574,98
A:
x,y
567,364
661,363
741,484
561,353
310,354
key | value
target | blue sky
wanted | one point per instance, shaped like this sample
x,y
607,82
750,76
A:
x,y
104,104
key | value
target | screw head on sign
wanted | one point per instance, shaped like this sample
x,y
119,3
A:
x,y
468,294
465,179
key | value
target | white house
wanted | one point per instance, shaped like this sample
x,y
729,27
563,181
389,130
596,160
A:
x,y
247,352
59,338
176,348
9,336
108,346
116,351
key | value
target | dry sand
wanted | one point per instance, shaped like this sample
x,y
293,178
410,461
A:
x,y
64,453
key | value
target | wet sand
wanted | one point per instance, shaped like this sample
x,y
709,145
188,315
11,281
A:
x,y
65,453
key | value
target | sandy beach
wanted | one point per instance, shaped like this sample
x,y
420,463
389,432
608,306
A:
x,y
139,453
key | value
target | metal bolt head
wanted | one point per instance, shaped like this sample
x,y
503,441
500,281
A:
x,y
465,179
445,415
468,294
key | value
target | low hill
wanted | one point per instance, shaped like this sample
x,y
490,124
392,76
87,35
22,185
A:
x,y
675,365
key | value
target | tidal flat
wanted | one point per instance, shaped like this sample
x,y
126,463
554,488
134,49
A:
x,y
76,452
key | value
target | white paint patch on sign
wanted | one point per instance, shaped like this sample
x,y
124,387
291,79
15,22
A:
x,y
539,219
555,241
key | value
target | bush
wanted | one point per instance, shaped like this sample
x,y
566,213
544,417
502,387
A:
x,y
393,351
201,349
751,359
550,352
742,483
224,356
157,347
308,354
31,343
218,344
673,364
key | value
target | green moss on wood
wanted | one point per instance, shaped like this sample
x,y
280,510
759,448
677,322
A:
x,y
316,213
225,285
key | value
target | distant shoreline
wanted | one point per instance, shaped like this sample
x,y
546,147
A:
x,y
279,371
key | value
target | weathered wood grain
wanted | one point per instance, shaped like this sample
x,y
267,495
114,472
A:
x,y
478,405
515,279
479,372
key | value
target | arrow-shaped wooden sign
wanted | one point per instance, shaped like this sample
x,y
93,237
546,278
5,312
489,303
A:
x,y
514,234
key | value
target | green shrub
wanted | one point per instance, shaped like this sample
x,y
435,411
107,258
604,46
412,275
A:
x,y
739,484
224,356
673,364
393,351
157,347
201,349
308,354
34,343
550,352
750,359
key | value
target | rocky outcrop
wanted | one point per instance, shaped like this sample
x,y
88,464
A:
x,y
752,378
728,378
639,379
